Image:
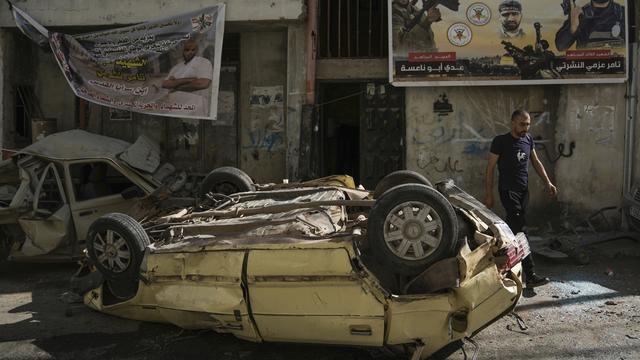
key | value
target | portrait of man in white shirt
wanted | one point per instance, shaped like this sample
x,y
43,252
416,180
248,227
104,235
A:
x,y
189,80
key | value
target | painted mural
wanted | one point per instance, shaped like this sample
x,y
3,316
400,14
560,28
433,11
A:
x,y
493,42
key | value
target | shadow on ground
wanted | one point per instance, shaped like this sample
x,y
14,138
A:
x,y
38,322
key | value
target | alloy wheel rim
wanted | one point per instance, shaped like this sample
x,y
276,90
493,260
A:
x,y
112,251
413,230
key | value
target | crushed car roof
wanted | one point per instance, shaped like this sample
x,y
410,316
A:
x,y
76,144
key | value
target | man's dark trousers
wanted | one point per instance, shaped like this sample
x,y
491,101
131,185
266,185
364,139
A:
x,y
515,203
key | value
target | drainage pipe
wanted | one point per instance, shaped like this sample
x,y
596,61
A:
x,y
312,33
632,102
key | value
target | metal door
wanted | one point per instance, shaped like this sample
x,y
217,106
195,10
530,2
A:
x,y
382,132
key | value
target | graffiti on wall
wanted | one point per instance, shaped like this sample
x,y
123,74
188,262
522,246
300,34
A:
x,y
437,164
226,107
442,106
266,127
599,120
457,145
474,138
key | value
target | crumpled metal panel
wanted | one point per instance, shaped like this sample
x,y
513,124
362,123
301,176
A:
x,y
312,296
484,295
143,155
230,242
299,262
191,290
312,222
143,309
45,235
76,144
203,281
472,262
333,330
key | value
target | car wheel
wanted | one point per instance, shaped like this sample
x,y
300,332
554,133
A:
x,y
411,226
226,180
398,178
116,243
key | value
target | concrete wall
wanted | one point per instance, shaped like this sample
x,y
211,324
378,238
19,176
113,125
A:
x,y
19,67
594,117
296,88
56,98
263,70
99,12
349,69
456,145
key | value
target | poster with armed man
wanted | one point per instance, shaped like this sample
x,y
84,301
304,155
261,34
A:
x,y
507,42
167,67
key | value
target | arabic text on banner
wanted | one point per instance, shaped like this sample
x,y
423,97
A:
x,y
167,67
492,42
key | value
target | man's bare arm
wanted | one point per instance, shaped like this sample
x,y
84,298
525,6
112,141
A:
x,y
488,180
186,84
537,164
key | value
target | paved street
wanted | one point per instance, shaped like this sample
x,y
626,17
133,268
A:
x,y
583,313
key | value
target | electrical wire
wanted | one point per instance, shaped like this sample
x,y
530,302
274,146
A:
x,y
344,97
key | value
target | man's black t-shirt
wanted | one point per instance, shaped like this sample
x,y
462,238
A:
x,y
513,161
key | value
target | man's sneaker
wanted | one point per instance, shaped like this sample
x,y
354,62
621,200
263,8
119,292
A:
x,y
536,280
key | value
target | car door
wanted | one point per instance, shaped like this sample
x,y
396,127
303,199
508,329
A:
x,y
48,227
312,296
96,189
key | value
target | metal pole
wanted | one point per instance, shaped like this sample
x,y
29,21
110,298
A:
x,y
632,102
349,28
370,24
339,27
357,28
312,32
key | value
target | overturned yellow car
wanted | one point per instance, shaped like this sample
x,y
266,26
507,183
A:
x,y
408,266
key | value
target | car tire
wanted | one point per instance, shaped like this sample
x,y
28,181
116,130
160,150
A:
x,y
226,180
411,226
116,244
398,178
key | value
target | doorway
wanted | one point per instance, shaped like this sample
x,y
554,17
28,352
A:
x,y
361,130
340,129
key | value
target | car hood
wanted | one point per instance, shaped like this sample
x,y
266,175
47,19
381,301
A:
x,y
76,144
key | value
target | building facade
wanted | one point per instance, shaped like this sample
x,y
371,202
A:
x,y
326,60
263,56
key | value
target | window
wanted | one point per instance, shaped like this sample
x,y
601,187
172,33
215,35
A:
x,y
352,29
26,109
97,179
49,198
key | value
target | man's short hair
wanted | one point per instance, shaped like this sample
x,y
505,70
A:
x,y
510,5
519,114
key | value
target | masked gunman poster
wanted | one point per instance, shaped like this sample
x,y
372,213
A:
x,y
168,67
502,42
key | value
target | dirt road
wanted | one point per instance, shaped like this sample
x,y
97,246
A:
x,y
587,311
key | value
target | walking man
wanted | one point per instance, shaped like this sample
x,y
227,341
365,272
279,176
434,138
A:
x,y
512,152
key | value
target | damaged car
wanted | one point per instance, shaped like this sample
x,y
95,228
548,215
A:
x,y
409,267
53,190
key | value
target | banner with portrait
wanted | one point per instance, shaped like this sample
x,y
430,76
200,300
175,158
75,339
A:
x,y
507,42
168,67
